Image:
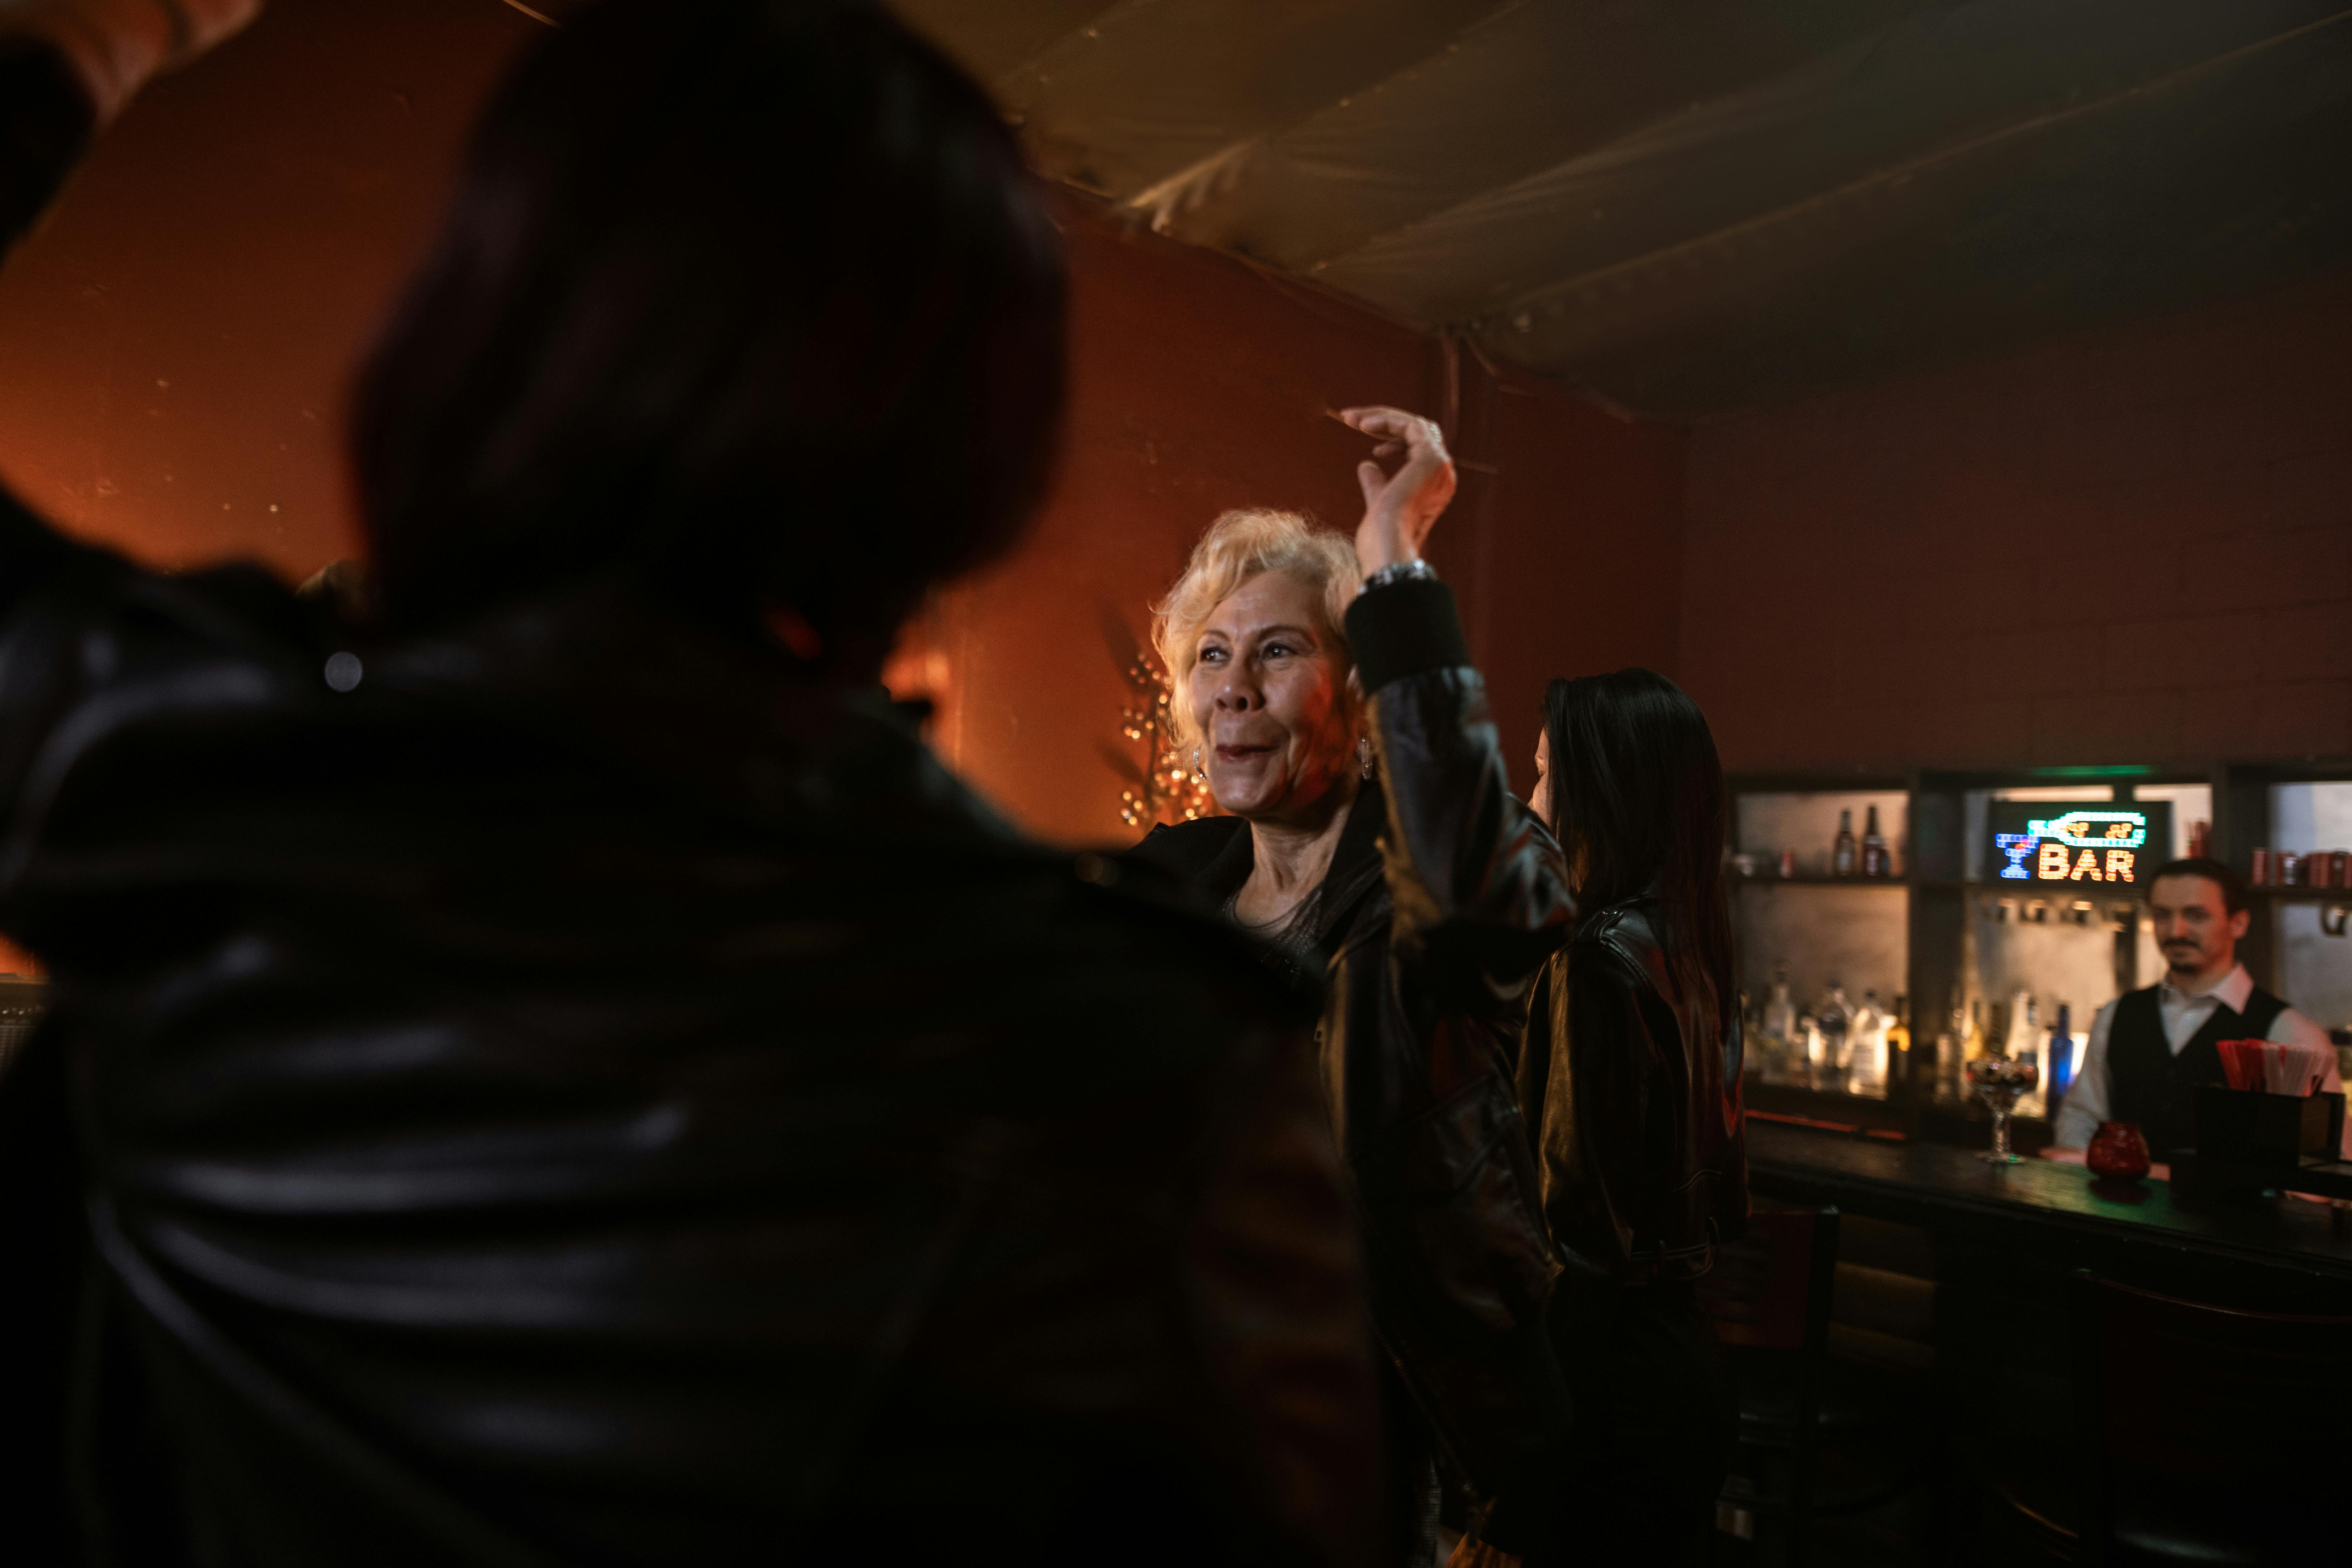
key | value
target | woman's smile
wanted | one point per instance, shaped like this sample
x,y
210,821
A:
x,y
1270,692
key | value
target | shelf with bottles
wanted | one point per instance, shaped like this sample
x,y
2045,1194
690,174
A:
x,y
1795,832
1848,1048
1960,933
2015,1028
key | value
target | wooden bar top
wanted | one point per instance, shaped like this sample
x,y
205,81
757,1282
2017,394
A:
x,y
2044,1207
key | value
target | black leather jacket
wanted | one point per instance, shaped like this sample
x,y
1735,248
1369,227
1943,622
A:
x,y
590,1095
1443,900
1636,1095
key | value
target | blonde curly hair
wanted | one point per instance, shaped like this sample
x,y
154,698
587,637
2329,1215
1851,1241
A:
x,y
1237,547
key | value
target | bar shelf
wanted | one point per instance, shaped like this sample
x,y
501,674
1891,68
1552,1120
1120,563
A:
x,y
1926,948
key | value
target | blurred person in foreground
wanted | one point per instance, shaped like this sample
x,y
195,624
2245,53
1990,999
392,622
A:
x,y
1630,1074
1372,845
558,1073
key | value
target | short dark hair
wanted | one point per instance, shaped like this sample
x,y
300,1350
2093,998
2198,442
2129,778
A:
x,y
2232,885
752,299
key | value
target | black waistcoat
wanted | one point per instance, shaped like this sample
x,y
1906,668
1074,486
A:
x,y
2158,1090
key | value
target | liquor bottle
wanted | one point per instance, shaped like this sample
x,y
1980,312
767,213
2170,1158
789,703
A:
x,y
1781,1041
1898,1042
1876,861
2061,1056
1835,1020
1805,1052
2024,1031
2025,1045
1866,1048
1842,854
1952,1055
1972,1043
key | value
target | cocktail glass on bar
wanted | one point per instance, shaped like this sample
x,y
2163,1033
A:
x,y
1998,1081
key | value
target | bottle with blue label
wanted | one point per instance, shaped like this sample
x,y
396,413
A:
x,y
2061,1056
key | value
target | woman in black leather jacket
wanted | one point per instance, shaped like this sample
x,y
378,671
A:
x,y
560,1073
1372,840
1630,1073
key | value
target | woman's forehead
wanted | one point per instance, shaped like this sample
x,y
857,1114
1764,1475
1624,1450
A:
x,y
1267,600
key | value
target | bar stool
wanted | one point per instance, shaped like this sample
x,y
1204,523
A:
x,y
1770,1296
2209,1434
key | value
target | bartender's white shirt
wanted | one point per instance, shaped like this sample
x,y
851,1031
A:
x,y
2184,1015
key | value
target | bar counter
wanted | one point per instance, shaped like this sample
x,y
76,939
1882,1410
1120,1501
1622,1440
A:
x,y
1985,1257
2043,1218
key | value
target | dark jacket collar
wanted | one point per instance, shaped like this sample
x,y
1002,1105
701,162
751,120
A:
x,y
1215,854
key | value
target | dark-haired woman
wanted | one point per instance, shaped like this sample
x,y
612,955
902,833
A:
x,y
1630,1073
558,1073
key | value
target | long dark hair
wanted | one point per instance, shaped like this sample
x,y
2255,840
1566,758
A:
x,y
753,301
1637,797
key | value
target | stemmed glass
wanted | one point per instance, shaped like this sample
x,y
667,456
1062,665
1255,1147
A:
x,y
1998,1081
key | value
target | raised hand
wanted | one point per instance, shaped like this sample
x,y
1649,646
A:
x,y
116,46
208,23
1399,508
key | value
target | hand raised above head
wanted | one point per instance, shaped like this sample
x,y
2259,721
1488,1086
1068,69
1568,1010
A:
x,y
1399,508
116,46
205,25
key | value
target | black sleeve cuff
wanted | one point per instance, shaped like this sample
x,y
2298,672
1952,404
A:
x,y
1405,629
45,124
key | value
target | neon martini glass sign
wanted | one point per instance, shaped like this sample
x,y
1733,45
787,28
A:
x,y
2078,846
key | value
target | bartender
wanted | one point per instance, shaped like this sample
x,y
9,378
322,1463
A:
x,y
2152,1050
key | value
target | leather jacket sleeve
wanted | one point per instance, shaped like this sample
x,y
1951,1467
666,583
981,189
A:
x,y
1481,894
1429,1117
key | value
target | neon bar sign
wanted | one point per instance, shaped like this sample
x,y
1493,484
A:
x,y
2064,843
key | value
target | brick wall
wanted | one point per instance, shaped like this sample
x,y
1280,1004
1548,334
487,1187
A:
x,y
2127,547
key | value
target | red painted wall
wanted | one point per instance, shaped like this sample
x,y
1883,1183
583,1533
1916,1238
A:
x,y
180,336
2125,547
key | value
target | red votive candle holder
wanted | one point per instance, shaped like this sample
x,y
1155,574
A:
x,y
2117,1152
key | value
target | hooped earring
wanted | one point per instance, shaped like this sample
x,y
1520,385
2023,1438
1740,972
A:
x,y
1198,776
1364,754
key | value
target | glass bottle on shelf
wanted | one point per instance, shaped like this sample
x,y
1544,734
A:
x,y
1866,1048
1972,1043
2025,1045
1835,1020
1952,1053
1876,861
2061,1058
1781,1041
1898,1041
1805,1052
2022,1033
1842,855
